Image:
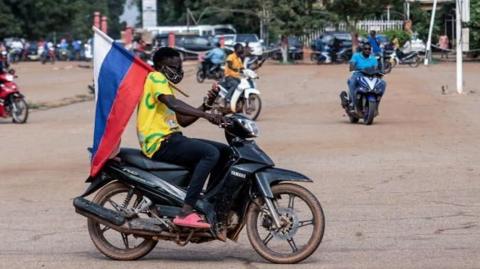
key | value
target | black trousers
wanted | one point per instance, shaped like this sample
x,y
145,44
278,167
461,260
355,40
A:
x,y
201,156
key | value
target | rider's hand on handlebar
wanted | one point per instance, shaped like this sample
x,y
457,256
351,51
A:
x,y
216,119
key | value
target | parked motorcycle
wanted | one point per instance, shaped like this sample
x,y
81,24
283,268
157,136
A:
x,y
411,58
215,72
325,56
12,102
370,90
138,199
48,55
245,98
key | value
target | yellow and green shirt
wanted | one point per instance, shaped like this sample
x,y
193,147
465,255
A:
x,y
154,119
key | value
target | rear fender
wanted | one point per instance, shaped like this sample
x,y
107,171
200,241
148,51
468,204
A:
x,y
96,183
271,176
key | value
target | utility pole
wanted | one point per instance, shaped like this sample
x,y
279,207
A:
x,y
428,54
459,46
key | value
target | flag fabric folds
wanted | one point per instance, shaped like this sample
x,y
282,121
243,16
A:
x,y
119,79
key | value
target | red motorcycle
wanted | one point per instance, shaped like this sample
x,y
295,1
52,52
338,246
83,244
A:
x,y
12,102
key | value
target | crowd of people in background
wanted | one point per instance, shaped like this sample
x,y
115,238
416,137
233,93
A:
x,y
16,49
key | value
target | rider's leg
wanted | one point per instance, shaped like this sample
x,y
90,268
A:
x,y
352,88
198,155
219,170
232,85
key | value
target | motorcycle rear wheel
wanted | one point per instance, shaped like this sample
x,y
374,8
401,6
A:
x,y
415,62
19,108
200,76
257,220
97,231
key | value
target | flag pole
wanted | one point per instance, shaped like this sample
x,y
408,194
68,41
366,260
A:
x,y
104,35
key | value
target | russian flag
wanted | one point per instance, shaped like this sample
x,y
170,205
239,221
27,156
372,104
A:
x,y
119,79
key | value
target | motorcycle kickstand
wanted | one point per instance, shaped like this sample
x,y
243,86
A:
x,y
184,243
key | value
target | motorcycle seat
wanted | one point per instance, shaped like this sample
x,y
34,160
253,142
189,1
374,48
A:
x,y
136,158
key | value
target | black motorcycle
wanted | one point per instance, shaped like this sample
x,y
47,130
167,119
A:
x,y
138,199
208,70
370,89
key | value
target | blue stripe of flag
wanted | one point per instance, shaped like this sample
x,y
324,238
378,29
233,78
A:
x,y
114,68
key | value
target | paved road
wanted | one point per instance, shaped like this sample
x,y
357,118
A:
x,y
402,193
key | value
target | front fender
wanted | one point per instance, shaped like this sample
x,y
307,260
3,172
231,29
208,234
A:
x,y
265,178
250,91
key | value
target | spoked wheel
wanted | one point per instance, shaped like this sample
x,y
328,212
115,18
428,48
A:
x,y
116,245
251,108
415,62
19,110
302,225
200,76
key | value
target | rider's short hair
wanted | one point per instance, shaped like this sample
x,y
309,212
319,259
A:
x,y
237,46
162,54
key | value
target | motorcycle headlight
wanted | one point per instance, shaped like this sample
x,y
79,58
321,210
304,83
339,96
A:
x,y
250,126
9,77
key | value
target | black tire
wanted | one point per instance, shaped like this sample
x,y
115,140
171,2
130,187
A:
x,y
370,112
415,62
22,115
353,119
200,76
317,221
97,235
387,67
257,103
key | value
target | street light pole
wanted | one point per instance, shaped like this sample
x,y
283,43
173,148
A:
x,y
459,47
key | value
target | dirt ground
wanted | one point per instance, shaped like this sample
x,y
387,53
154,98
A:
x,y
402,193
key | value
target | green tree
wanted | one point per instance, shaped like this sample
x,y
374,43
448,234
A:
x,y
35,19
474,24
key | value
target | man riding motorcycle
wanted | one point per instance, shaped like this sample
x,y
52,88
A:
x,y
360,61
232,70
159,118
213,59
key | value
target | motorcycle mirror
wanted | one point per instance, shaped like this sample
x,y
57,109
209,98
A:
x,y
11,71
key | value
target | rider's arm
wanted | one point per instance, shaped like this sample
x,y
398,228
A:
x,y
352,67
186,114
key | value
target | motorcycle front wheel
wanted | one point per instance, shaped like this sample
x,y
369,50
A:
x,y
19,110
252,106
302,225
114,244
369,112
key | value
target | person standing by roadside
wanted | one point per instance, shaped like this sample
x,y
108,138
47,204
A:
x,y
444,43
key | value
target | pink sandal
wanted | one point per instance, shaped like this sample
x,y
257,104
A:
x,y
192,220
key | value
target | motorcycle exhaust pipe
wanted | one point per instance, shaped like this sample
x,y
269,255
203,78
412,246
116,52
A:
x,y
87,209
115,220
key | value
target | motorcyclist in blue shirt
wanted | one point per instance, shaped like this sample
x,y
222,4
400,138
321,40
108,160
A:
x,y
213,59
360,61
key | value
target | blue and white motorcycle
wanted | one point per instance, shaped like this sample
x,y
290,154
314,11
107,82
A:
x,y
370,89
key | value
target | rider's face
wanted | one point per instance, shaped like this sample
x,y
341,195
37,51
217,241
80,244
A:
x,y
366,51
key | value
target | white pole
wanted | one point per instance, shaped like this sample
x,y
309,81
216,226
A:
x,y
459,48
428,53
